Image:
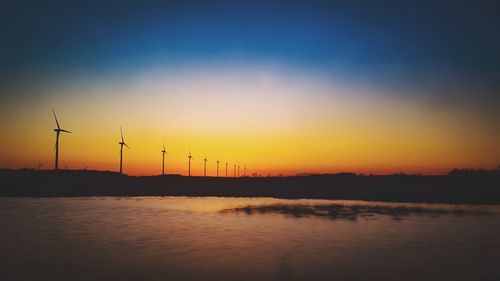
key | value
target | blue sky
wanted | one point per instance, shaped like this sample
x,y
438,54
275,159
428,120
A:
x,y
459,37
442,50
380,85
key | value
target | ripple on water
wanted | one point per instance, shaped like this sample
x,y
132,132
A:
x,y
181,238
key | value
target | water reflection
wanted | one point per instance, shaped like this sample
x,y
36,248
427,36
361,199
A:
x,y
200,239
353,212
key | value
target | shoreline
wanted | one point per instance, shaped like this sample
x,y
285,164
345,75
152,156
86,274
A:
x,y
448,189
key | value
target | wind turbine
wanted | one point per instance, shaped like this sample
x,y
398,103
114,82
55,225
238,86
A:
x,y
234,172
226,169
189,163
245,173
238,171
58,130
163,152
205,166
217,167
122,143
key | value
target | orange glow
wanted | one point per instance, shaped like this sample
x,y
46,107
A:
x,y
272,123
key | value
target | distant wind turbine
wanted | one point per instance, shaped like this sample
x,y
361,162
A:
x,y
122,143
226,169
234,172
238,171
217,167
245,171
189,163
205,166
58,130
163,152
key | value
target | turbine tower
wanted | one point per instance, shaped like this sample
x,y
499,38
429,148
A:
x,y
226,169
205,166
163,152
234,171
58,130
217,167
245,171
122,143
189,163
238,171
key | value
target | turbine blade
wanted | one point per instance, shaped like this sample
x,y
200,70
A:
x,y
127,145
121,133
55,117
66,131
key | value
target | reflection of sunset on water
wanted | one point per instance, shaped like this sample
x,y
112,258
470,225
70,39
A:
x,y
190,239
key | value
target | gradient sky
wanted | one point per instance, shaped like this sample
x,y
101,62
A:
x,y
281,86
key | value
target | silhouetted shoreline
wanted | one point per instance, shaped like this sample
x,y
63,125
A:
x,y
453,189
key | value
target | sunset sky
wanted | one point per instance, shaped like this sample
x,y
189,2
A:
x,y
281,86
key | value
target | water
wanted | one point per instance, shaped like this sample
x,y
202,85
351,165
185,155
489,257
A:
x,y
178,238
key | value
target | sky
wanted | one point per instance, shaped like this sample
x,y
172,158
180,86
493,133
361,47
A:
x,y
283,87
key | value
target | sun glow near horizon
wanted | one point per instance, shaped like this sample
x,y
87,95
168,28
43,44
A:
x,y
274,120
302,87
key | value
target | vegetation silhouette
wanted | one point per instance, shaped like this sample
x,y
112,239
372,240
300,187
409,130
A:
x,y
461,188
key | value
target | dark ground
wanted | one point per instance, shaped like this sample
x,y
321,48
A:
x,y
456,189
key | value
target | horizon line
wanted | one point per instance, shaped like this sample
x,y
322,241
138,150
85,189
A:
x,y
280,175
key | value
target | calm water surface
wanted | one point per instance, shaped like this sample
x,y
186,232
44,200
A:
x,y
179,238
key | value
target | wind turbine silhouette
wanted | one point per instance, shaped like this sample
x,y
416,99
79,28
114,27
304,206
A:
x,y
122,143
238,171
234,172
189,163
226,169
217,167
163,152
58,130
245,171
205,166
